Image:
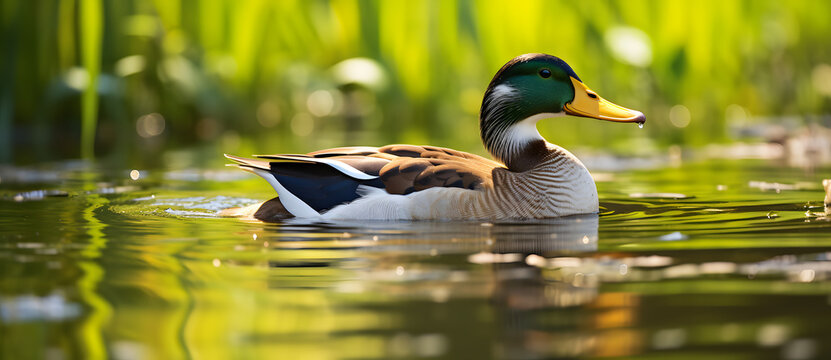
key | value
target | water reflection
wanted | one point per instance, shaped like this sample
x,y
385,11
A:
x,y
380,290
571,234
145,271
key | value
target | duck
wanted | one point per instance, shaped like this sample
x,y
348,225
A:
x,y
528,177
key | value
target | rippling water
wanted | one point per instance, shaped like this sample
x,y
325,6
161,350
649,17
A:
x,y
728,259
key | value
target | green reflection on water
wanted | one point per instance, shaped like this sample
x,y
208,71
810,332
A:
x,y
149,272
91,330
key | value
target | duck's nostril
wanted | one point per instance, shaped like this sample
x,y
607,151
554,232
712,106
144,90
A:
x,y
592,95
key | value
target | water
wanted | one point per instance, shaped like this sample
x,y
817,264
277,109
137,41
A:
x,y
730,259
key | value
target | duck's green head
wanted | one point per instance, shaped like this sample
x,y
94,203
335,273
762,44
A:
x,y
531,87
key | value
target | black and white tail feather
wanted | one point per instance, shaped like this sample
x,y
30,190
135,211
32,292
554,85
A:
x,y
335,182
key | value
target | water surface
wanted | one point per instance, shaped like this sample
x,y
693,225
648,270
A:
x,y
727,259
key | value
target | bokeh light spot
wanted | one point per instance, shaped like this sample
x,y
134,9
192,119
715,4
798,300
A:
x,y
225,66
320,103
669,338
679,116
150,125
629,45
130,65
735,114
76,78
800,349
268,114
807,275
364,71
135,174
302,124
772,335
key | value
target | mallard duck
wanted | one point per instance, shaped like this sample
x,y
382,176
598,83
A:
x,y
528,178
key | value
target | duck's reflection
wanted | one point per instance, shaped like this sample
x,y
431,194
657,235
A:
x,y
563,235
463,271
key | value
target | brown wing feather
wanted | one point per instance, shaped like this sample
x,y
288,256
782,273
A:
x,y
417,168
435,152
400,174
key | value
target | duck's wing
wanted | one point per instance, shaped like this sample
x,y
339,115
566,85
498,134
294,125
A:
x,y
416,168
309,184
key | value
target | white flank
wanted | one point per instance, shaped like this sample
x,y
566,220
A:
x,y
429,204
291,202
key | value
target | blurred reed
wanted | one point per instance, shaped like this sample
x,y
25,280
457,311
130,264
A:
x,y
91,32
136,78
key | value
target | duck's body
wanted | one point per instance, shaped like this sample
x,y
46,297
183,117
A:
x,y
531,179
421,183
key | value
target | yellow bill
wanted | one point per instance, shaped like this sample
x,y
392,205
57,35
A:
x,y
587,103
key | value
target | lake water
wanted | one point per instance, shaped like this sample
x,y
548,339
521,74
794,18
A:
x,y
723,259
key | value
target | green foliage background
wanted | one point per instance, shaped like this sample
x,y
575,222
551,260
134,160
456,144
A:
x,y
236,76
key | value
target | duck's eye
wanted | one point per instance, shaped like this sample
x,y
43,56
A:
x,y
545,73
